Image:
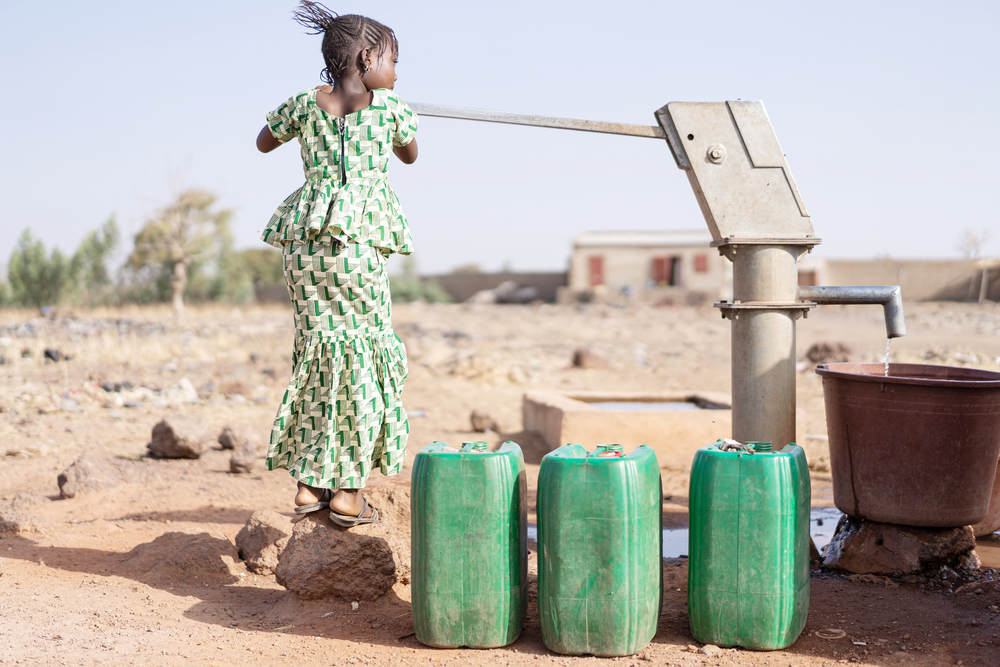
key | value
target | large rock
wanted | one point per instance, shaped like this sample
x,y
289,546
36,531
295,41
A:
x,y
481,421
230,437
88,474
178,438
868,547
182,392
827,352
262,539
244,456
361,563
12,521
183,557
584,358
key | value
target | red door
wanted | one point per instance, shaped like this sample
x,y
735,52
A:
x,y
596,270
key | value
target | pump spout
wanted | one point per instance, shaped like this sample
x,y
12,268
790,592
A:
x,y
890,297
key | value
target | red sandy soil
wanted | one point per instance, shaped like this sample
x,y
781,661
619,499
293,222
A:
x,y
70,595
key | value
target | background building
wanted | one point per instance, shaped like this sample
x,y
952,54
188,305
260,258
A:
x,y
656,267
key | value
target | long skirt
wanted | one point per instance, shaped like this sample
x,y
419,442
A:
x,y
342,413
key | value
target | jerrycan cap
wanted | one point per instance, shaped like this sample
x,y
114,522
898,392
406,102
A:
x,y
611,451
476,447
760,447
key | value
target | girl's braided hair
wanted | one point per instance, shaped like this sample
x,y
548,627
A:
x,y
343,36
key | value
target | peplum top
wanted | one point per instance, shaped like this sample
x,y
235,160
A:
x,y
348,200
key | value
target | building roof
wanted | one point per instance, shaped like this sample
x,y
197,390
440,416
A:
x,y
674,238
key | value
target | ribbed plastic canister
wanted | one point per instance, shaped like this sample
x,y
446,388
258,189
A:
x,y
600,539
469,545
748,571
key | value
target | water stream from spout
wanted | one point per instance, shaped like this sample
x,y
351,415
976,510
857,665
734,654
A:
x,y
888,341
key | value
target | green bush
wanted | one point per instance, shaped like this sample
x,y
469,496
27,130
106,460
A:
x,y
37,279
408,286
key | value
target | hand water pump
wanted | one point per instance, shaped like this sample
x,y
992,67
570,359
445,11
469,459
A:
x,y
759,221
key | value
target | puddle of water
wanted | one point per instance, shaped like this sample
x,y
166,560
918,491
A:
x,y
822,523
988,550
639,405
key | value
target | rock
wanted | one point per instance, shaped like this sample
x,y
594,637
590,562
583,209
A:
x,y
868,547
244,457
710,650
17,522
584,358
178,439
52,354
873,579
830,353
88,474
262,539
229,437
517,375
814,555
361,563
182,392
483,421
185,557
23,501
69,405
3,567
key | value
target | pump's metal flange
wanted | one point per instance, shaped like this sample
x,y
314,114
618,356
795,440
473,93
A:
x,y
766,305
733,240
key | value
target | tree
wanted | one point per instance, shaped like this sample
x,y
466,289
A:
x,y
89,266
36,279
266,266
970,243
183,233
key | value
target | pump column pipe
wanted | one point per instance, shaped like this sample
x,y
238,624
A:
x,y
763,312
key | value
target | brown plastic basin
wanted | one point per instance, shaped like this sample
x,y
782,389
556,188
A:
x,y
916,448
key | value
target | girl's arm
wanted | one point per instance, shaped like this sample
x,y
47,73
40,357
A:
x,y
407,154
267,143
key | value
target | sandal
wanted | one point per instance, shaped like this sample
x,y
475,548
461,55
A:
x,y
324,502
351,521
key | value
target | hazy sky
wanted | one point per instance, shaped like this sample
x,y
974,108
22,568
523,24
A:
x,y
888,113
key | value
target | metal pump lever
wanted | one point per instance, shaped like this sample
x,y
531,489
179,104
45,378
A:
x,y
603,127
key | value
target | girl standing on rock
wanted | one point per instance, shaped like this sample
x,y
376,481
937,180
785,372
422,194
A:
x,y
342,414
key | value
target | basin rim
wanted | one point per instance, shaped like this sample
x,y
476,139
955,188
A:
x,y
921,375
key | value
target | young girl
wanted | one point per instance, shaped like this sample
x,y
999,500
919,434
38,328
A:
x,y
341,414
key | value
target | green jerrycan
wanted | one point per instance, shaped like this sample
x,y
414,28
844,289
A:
x,y
600,580
748,573
469,558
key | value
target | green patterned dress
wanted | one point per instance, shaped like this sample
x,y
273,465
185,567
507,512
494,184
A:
x,y
342,413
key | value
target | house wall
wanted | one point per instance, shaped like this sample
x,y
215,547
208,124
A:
x,y
633,266
920,280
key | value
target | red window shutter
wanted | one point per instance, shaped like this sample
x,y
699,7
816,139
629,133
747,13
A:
x,y
701,263
661,270
596,270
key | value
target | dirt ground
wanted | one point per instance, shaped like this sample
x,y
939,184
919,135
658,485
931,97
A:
x,y
70,594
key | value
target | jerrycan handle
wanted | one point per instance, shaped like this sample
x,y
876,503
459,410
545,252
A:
x,y
609,451
476,447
